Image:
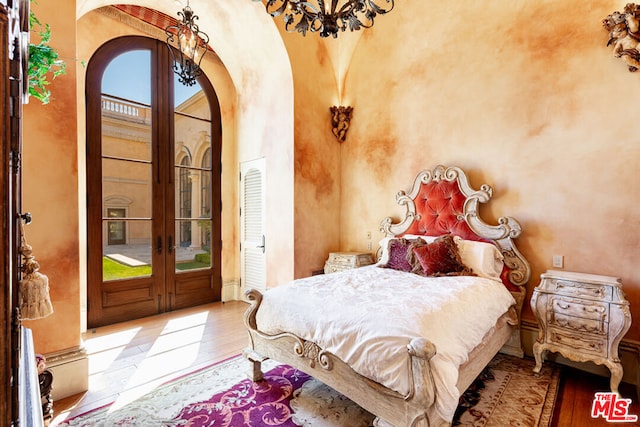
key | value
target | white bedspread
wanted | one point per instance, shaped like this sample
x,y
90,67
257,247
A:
x,y
367,316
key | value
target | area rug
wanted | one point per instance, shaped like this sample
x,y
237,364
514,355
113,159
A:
x,y
506,393
509,393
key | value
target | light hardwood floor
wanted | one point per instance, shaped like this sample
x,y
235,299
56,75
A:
x,y
128,359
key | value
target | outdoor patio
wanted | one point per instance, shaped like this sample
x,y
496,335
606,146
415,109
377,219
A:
x,y
138,255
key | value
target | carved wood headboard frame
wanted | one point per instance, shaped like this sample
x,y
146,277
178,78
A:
x,y
441,201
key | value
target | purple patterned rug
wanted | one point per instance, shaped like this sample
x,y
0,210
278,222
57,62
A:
x,y
267,402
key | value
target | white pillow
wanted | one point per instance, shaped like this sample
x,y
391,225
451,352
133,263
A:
x,y
384,244
485,259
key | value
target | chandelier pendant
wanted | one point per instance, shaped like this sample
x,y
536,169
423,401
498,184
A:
x,y
327,18
191,46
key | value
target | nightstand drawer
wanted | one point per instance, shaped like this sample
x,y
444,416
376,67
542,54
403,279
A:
x,y
594,345
584,290
580,308
334,268
578,324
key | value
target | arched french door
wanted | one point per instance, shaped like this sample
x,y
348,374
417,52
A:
x,y
153,170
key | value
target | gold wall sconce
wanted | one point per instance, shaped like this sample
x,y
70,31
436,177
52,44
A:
x,y
340,120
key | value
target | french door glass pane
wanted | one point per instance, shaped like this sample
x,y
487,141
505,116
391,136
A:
x,y
131,259
188,256
192,119
127,170
126,184
190,100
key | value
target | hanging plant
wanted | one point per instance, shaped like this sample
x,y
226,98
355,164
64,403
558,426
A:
x,y
44,62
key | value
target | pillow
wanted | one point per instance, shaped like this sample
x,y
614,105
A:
x,y
384,245
485,259
397,249
439,258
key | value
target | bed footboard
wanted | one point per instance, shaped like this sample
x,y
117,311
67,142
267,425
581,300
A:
x,y
391,408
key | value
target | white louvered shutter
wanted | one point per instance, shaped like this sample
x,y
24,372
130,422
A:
x,y
253,244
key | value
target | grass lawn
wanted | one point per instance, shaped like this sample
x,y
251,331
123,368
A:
x,y
112,270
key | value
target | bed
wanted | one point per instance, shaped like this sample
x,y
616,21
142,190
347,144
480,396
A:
x,y
404,340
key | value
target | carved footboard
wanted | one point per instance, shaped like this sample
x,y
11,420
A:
x,y
390,407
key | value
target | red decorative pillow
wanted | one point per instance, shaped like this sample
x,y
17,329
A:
x,y
440,258
398,250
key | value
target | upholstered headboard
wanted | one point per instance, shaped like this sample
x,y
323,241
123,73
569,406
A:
x,y
441,201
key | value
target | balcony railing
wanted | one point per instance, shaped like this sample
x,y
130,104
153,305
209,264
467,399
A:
x,y
121,109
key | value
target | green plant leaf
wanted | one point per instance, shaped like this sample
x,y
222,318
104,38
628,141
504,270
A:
x,y
44,62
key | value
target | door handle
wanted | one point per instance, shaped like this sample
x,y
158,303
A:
x,y
170,244
159,245
261,246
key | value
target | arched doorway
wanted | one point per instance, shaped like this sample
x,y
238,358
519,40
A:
x,y
145,253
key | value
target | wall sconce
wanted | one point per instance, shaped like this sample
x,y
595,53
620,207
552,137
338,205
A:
x,y
340,120
624,35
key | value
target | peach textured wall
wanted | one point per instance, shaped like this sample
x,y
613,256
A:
x,y
316,155
526,97
50,156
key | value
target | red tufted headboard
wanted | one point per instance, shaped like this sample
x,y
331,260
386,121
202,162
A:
x,y
440,205
442,202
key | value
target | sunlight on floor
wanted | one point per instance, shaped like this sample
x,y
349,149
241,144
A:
x,y
95,344
175,348
159,369
185,322
131,359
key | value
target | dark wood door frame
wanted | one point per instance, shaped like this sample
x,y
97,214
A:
x,y
164,290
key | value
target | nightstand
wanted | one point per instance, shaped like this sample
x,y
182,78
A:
x,y
340,261
583,317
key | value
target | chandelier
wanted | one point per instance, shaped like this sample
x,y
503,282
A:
x,y
191,46
327,17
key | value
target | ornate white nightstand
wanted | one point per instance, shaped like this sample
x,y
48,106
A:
x,y
583,317
340,261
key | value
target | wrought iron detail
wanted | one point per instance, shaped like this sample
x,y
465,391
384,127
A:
x,y
327,18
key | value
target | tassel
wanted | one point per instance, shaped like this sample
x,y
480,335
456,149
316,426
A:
x,y
35,302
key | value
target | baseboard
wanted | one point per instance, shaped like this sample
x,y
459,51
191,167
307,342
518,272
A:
x,y
230,290
629,352
70,369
